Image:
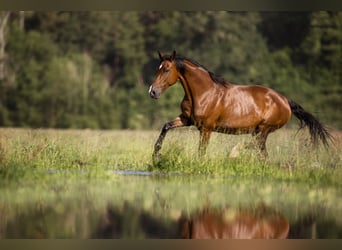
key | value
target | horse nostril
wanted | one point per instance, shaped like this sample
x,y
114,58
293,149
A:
x,y
153,93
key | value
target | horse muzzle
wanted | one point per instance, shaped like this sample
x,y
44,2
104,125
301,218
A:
x,y
154,93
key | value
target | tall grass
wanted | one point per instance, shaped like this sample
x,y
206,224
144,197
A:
x,y
291,157
27,152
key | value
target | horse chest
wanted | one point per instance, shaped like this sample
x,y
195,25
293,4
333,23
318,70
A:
x,y
207,115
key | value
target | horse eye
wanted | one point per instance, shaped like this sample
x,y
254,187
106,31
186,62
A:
x,y
166,70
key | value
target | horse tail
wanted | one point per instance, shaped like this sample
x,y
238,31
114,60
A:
x,y
317,130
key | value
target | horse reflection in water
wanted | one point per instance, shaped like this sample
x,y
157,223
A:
x,y
259,223
229,223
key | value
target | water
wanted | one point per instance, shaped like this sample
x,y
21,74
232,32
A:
x,y
134,205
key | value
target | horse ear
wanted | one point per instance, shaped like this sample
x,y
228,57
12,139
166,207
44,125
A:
x,y
173,56
161,56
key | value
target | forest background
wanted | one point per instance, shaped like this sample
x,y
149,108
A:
x,y
93,69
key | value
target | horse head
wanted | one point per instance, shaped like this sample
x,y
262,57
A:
x,y
167,75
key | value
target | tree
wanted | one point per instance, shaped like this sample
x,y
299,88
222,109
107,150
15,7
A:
x,y
306,66
4,16
30,54
75,93
322,50
93,69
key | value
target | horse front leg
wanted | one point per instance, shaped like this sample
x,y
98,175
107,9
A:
x,y
204,141
179,121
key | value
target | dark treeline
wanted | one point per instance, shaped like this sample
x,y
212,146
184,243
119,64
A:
x,y
93,69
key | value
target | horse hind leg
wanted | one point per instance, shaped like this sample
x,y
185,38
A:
x,y
260,136
262,145
261,142
242,145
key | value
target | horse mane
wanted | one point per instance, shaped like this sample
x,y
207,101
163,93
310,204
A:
x,y
179,62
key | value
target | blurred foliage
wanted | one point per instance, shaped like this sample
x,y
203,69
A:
x,y
93,69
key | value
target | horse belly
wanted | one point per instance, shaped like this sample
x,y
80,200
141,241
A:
x,y
235,131
236,123
223,123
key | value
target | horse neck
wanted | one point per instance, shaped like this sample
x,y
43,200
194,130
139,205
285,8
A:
x,y
195,80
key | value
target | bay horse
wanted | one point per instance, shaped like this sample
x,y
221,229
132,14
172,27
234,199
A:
x,y
213,104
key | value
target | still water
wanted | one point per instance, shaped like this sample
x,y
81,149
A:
x,y
135,205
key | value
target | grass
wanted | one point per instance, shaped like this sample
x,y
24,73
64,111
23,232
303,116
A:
x,y
33,153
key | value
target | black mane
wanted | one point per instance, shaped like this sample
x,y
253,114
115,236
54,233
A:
x,y
179,62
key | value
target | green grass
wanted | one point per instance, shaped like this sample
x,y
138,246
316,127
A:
x,y
33,153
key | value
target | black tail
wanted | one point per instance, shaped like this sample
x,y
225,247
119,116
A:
x,y
317,130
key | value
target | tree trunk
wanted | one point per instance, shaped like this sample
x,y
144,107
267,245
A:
x,y
22,20
4,16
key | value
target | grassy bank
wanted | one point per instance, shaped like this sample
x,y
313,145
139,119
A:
x,y
34,153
